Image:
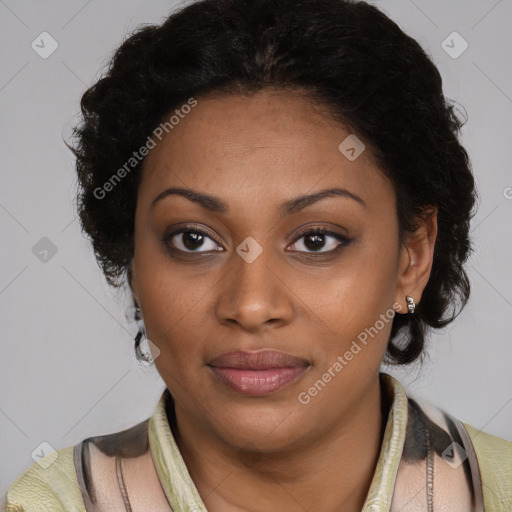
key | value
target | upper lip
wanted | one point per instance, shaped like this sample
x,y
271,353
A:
x,y
256,360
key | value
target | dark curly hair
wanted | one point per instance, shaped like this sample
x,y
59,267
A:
x,y
348,56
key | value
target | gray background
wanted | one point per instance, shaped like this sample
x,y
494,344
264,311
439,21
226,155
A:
x,y
66,368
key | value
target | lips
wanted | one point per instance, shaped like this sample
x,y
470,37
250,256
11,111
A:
x,y
257,373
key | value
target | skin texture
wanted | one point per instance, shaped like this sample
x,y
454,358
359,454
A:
x,y
255,152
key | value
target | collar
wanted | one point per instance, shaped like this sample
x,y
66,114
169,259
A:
x,y
381,489
181,491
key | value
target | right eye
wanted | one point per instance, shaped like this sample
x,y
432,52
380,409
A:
x,y
189,240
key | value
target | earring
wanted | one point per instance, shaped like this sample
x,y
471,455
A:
x,y
145,355
411,305
141,334
141,339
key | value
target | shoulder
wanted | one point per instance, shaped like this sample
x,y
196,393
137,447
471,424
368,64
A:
x,y
478,462
491,447
50,484
62,480
494,456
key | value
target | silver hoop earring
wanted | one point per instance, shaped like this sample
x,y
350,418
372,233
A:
x,y
411,305
141,340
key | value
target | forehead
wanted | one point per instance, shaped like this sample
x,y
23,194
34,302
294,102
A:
x,y
271,144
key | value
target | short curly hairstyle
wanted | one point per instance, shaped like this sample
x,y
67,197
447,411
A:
x,y
351,58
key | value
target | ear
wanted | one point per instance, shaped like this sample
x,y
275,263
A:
x,y
416,258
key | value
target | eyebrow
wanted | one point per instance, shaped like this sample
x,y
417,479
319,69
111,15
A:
x,y
216,205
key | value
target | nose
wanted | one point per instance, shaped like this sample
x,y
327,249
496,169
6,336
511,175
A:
x,y
254,295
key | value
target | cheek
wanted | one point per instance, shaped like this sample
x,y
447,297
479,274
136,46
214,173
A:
x,y
359,286
174,319
352,303
171,305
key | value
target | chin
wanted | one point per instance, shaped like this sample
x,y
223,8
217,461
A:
x,y
261,428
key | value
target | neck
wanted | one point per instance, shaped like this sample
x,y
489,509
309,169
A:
x,y
335,470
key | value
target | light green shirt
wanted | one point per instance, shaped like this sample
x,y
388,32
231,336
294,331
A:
x,y
471,470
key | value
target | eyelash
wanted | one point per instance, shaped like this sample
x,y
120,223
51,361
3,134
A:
x,y
310,231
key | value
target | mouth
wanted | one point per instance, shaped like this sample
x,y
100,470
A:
x,y
259,372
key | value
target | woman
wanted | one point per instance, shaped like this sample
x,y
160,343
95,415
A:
x,y
282,186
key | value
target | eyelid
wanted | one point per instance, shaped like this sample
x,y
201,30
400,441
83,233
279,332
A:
x,y
318,229
189,227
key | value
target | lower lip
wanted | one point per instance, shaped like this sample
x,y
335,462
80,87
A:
x,y
258,382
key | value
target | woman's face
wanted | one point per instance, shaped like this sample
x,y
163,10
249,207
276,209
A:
x,y
236,270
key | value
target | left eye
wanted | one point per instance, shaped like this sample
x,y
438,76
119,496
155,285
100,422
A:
x,y
315,239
